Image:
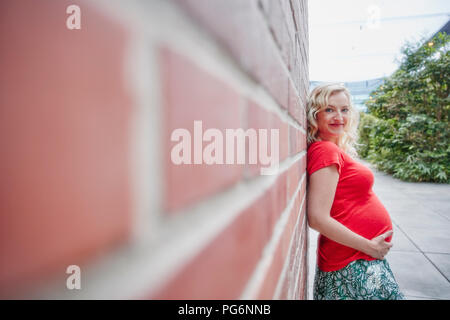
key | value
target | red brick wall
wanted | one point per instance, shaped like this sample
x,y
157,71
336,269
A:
x,y
87,177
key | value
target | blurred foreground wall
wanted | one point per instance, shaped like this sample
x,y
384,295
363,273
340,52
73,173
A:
x,y
87,178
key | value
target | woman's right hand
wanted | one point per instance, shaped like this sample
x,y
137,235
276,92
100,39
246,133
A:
x,y
379,247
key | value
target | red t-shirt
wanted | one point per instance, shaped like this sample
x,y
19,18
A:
x,y
355,205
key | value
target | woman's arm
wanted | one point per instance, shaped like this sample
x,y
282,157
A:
x,y
322,188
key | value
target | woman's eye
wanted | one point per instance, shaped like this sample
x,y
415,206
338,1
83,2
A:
x,y
345,110
328,110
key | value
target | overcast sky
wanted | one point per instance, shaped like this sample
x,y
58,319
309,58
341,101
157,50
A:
x,y
353,40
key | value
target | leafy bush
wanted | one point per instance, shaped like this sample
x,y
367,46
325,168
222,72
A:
x,y
406,132
416,149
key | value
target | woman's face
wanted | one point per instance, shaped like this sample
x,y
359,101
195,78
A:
x,y
333,119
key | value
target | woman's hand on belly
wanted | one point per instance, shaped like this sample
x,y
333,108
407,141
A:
x,y
378,247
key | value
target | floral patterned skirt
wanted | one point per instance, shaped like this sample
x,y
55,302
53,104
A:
x,y
359,280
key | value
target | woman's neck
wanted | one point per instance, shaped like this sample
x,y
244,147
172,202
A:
x,y
331,139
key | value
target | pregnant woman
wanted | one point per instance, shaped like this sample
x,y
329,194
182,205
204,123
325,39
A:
x,y
355,228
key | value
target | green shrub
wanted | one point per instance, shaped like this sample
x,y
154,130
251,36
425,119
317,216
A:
x,y
416,149
406,132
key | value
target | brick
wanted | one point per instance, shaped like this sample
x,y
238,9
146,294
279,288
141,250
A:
x,y
227,27
64,128
278,196
299,13
284,294
289,18
264,6
252,49
278,83
297,264
293,60
192,94
297,141
257,118
268,287
290,227
302,281
224,267
297,69
283,129
293,268
277,23
267,68
294,178
303,164
294,107
292,140
281,254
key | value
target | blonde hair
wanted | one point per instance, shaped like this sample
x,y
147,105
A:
x,y
318,101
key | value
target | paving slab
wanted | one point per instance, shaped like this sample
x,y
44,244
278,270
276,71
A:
x,y
401,242
441,262
418,218
417,276
430,240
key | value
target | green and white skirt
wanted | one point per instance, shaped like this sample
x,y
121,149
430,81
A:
x,y
359,280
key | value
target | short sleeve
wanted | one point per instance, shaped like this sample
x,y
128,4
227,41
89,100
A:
x,y
322,154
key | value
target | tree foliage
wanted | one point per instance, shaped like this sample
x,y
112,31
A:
x,y
406,130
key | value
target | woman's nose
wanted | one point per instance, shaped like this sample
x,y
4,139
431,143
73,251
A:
x,y
338,116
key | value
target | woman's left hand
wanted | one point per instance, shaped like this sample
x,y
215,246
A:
x,y
379,248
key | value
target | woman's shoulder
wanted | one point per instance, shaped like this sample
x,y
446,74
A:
x,y
323,153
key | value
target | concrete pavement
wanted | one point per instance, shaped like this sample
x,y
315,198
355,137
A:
x,y
420,257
